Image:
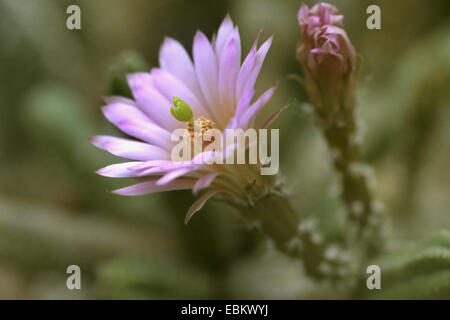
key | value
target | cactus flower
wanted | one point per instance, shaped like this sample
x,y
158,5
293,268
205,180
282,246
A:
x,y
215,89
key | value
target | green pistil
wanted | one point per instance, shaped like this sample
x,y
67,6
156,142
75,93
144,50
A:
x,y
181,111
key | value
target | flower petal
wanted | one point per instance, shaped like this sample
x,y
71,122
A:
x,y
151,101
224,32
147,132
117,111
170,86
165,168
172,175
199,204
244,102
205,181
151,187
259,60
174,58
230,60
252,111
135,123
129,149
118,170
206,68
119,99
151,164
245,72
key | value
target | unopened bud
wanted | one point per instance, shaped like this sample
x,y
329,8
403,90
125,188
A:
x,y
326,54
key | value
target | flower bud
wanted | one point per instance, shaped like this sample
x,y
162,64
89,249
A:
x,y
326,53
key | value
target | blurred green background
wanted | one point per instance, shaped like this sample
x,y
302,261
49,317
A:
x,y
54,211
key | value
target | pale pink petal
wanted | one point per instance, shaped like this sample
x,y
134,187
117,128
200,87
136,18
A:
x,y
119,99
203,158
230,60
117,111
232,124
151,187
129,149
244,102
251,112
135,123
151,101
170,87
245,72
303,15
206,68
151,164
199,204
118,170
205,181
259,60
166,168
147,132
174,58
225,29
172,175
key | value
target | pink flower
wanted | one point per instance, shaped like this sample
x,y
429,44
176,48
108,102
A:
x,y
218,89
321,14
325,51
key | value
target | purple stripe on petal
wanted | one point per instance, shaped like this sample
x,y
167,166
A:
x,y
151,187
205,181
129,149
199,204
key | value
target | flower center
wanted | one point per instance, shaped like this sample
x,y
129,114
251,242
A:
x,y
199,126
